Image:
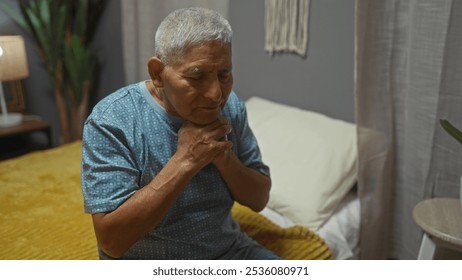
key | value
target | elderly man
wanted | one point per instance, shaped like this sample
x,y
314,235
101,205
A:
x,y
164,160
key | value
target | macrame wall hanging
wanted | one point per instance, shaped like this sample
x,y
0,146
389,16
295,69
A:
x,y
286,26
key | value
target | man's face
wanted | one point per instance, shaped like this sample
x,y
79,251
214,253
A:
x,y
196,88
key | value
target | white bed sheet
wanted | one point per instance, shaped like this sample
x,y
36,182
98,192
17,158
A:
x,y
341,230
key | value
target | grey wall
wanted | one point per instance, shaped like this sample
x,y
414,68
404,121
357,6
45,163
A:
x,y
37,87
323,81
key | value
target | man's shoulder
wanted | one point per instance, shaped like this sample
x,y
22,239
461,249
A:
x,y
116,102
234,103
235,110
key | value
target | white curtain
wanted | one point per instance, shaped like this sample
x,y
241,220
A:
x,y
140,19
408,76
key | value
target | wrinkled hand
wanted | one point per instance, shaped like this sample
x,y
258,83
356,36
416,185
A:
x,y
201,145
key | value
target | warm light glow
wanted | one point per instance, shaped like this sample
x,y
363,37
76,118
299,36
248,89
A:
x,y
13,65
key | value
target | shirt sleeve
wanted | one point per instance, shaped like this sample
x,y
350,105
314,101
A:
x,y
109,176
247,145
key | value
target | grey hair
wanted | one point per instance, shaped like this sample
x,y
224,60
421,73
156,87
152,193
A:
x,y
185,27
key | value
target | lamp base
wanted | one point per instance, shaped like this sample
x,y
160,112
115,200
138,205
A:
x,y
10,119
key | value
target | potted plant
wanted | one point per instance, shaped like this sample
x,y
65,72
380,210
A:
x,y
457,134
63,31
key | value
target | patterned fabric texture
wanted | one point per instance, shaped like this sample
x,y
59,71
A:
x,y
42,217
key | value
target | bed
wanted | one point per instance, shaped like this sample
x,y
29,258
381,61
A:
x,y
311,214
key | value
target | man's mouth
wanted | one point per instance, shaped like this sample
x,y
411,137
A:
x,y
211,108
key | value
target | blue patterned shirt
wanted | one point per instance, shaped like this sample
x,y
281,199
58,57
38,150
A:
x,y
128,139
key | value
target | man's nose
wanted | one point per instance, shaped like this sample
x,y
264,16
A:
x,y
214,90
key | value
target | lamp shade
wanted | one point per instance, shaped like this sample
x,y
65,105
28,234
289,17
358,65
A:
x,y
13,62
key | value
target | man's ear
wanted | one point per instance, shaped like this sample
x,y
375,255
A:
x,y
155,68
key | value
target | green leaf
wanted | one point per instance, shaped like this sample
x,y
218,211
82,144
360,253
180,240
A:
x,y
17,17
44,10
80,64
452,130
81,18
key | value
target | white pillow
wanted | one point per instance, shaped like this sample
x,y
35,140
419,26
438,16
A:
x,y
312,159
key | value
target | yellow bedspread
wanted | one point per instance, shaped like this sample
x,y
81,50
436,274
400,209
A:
x,y
293,243
41,213
41,207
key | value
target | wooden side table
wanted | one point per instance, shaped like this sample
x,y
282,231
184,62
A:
x,y
26,127
441,221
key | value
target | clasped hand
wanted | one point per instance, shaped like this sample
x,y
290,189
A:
x,y
202,145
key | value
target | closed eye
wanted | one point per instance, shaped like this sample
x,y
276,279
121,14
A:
x,y
195,74
225,75
195,77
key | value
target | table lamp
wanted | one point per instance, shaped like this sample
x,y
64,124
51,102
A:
x,y
13,66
